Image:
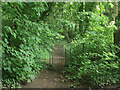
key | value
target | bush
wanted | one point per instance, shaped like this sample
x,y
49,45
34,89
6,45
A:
x,y
24,41
98,72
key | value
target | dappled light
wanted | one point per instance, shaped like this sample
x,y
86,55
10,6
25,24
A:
x,y
60,45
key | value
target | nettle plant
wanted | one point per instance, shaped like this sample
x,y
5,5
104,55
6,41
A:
x,y
98,65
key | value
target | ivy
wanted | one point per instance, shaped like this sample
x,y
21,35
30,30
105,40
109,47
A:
x,y
24,41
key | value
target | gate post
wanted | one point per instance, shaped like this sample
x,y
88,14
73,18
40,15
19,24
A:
x,y
49,54
65,57
52,55
70,52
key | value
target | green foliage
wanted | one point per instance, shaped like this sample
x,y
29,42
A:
x,y
25,40
96,63
99,72
30,28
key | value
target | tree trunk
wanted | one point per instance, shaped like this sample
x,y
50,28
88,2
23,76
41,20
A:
x,y
116,33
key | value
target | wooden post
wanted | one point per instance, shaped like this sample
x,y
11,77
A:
x,y
63,52
70,52
65,57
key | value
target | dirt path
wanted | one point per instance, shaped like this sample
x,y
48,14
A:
x,y
48,79
51,79
54,79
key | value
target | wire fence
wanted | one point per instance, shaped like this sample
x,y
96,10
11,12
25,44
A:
x,y
57,53
68,53
72,50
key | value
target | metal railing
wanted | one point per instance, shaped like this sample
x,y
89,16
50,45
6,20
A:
x,y
70,51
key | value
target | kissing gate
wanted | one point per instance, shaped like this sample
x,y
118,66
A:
x,y
57,55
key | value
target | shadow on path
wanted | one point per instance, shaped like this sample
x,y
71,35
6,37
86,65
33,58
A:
x,y
51,79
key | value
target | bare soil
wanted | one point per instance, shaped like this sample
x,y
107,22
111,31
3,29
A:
x,y
48,79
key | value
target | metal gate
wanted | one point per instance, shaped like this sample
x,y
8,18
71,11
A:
x,y
57,56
